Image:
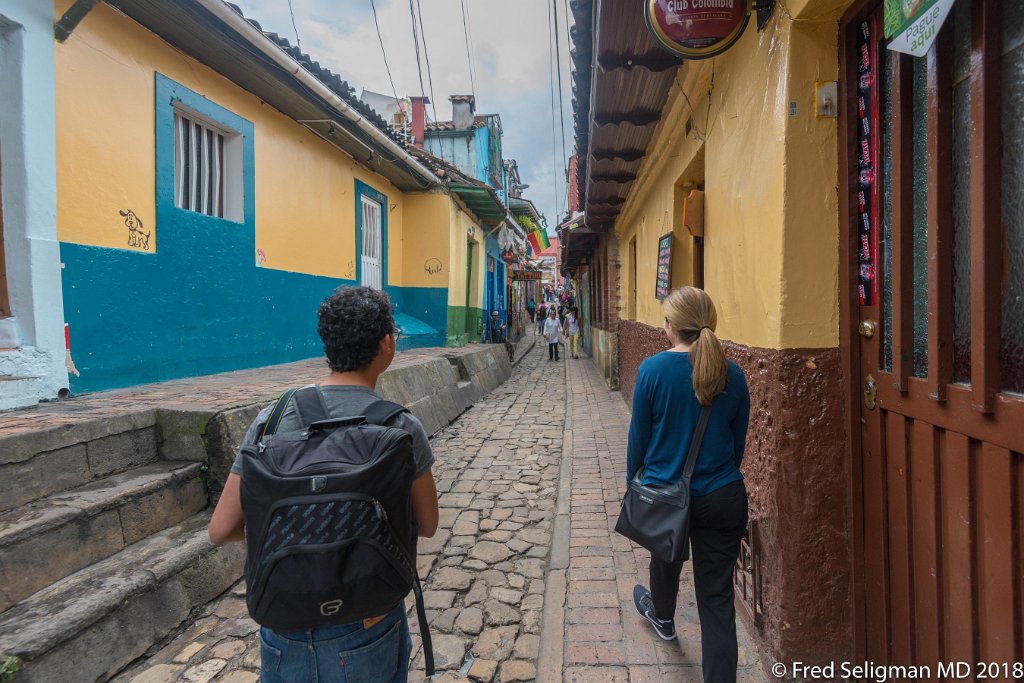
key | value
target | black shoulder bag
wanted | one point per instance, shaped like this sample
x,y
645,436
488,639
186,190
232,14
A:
x,y
659,518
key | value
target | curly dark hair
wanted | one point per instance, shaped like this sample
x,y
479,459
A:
x,y
352,321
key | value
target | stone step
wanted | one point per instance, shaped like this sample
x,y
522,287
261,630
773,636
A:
x,y
38,463
48,539
90,625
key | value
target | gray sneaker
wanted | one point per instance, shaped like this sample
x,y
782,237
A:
x,y
666,629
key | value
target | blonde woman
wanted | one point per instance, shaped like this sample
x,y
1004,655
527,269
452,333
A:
x,y
670,390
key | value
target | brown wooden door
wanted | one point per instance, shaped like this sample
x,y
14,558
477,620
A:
x,y
932,152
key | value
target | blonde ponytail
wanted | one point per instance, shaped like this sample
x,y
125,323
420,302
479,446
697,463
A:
x,y
691,313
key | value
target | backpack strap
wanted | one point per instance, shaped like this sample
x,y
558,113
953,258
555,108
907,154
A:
x,y
382,412
310,405
274,419
421,615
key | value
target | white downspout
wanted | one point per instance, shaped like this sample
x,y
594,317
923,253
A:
x,y
237,22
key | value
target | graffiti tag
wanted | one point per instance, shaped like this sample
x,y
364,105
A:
x,y
136,237
433,266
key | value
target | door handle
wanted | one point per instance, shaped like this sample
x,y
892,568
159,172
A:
x,y
867,328
870,391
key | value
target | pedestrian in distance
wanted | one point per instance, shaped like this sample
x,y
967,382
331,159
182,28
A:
x,y
670,392
542,316
553,333
497,329
531,308
571,329
359,336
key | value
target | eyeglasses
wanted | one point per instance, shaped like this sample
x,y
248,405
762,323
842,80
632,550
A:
x,y
397,334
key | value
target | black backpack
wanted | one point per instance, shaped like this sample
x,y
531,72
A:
x,y
329,529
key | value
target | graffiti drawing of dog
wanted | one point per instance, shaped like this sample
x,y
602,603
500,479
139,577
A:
x,y
136,237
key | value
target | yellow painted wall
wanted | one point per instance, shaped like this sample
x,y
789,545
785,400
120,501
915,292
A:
x,y
464,230
771,222
305,187
428,223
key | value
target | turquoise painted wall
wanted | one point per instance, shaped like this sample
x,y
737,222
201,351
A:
x,y
200,304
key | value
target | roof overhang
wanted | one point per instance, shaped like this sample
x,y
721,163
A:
x,y
482,201
197,32
525,207
624,78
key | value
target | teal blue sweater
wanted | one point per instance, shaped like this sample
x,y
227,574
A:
x,y
665,413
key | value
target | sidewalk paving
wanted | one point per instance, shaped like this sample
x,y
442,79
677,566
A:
x,y
216,391
604,637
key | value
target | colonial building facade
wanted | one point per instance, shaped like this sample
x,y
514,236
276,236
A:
x,y
863,250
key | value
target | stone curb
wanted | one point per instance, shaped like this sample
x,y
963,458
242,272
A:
x,y
551,656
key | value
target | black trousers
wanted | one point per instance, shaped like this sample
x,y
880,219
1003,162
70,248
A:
x,y
718,522
553,351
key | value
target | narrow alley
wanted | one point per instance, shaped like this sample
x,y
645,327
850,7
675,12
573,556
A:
x,y
525,579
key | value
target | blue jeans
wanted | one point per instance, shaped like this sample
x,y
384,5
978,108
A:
x,y
347,653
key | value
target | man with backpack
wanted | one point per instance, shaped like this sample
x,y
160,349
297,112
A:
x,y
329,490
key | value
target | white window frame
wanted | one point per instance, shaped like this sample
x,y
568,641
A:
x,y
231,173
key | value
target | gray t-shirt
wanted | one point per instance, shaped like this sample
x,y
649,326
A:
x,y
345,401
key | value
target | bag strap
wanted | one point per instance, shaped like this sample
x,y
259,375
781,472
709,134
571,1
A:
x,y
698,438
310,405
421,615
382,412
274,419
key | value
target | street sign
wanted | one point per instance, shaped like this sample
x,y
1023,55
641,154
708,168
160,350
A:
x,y
697,29
526,275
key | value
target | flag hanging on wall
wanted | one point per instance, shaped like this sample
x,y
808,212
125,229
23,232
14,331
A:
x,y
539,241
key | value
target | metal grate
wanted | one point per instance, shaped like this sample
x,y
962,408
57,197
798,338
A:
x,y
746,575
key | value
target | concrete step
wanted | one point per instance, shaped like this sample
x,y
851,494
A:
x,y
90,625
51,538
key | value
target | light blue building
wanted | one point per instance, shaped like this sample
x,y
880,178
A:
x,y
472,143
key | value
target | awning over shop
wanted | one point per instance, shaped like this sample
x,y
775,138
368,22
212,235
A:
x,y
482,201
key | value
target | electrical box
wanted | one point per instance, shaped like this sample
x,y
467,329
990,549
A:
x,y
693,213
827,96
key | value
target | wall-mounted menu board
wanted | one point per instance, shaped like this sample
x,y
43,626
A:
x,y
664,284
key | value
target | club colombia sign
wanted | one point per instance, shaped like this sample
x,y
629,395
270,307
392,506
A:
x,y
697,29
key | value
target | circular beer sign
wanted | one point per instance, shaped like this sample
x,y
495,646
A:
x,y
697,29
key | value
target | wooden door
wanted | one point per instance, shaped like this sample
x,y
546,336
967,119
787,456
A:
x,y
933,206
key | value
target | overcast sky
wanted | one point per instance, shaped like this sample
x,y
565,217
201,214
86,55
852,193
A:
x,y
512,56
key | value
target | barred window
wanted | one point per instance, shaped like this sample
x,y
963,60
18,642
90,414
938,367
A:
x,y
203,168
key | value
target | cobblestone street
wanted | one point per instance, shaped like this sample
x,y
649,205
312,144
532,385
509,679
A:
x,y
524,579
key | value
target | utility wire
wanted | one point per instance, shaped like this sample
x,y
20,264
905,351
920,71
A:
x,y
382,50
469,48
298,43
416,42
561,98
426,54
554,136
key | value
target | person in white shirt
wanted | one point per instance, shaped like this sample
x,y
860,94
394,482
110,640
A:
x,y
553,333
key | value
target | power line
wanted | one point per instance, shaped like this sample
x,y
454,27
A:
x,y
469,48
298,43
554,136
561,98
416,43
426,54
382,50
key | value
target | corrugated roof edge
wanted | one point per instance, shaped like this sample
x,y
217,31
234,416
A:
x,y
333,81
